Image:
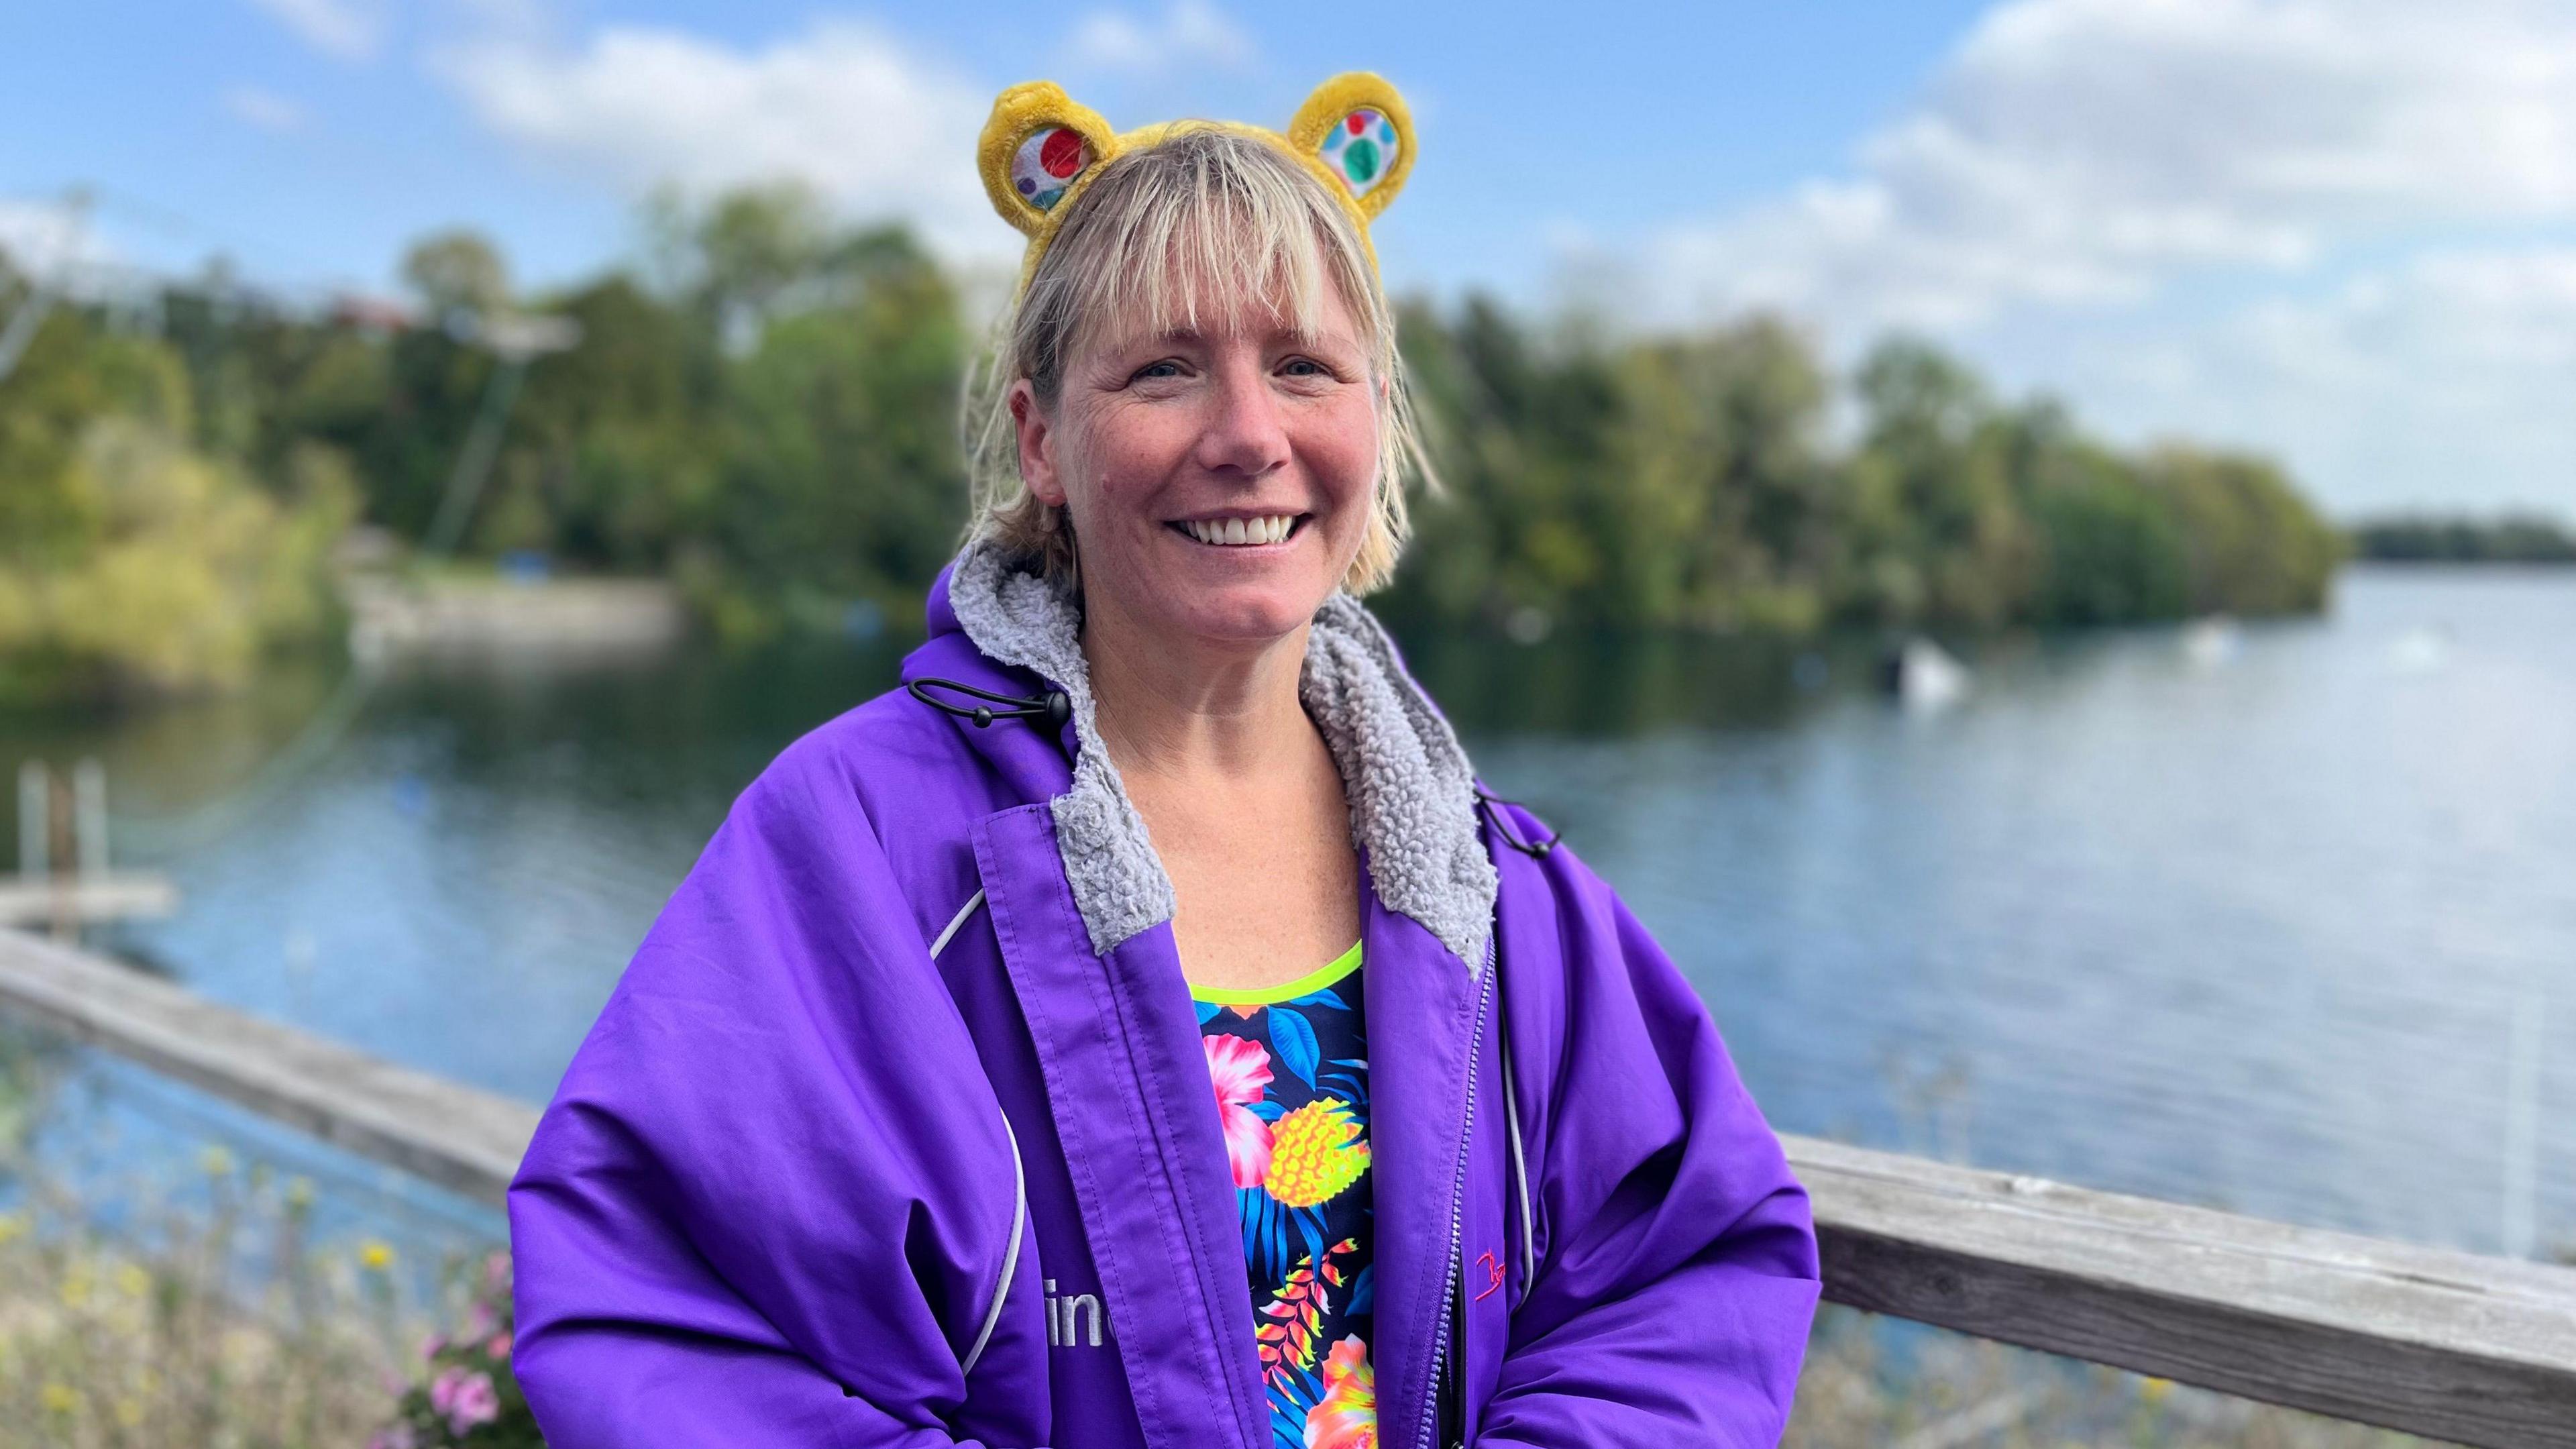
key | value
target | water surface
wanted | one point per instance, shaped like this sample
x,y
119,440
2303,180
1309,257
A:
x,y
2246,921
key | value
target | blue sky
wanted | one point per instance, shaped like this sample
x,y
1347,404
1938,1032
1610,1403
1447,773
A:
x,y
2342,232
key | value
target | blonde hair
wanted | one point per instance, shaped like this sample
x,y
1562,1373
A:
x,y
1198,228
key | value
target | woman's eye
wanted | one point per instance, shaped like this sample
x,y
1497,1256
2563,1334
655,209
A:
x,y
1154,370
1303,367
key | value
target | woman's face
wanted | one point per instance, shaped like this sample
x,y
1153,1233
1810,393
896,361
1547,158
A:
x,y
1219,484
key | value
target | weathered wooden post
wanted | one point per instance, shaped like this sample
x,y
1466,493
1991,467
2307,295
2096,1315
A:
x,y
32,831
89,821
65,878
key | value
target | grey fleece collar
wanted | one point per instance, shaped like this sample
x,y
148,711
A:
x,y
1412,794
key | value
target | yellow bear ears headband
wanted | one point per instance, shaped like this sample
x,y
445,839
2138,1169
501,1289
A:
x,y
1041,148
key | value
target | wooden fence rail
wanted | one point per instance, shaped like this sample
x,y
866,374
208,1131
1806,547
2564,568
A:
x,y
2479,1351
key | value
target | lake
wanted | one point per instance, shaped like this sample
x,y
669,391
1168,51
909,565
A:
x,y
2280,919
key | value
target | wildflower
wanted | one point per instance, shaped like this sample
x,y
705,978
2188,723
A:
x,y
129,1412
432,1346
216,1161
496,1274
2154,1390
12,1227
1239,1070
499,1347
132,1281
76,1286
375,1256
59,1398
299,1192
466,1398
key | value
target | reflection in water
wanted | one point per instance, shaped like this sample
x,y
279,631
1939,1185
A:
x,y
2237,914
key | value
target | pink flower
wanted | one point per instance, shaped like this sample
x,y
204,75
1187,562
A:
x,y
499,1347
1239,1070
467,1399
432,1346
1346,1416
496,1273
397,1437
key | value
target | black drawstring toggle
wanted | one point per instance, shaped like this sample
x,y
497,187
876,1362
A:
x,y
1534,849
1052,706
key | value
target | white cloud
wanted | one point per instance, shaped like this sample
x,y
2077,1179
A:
x,y
265,109
51,237
344,29
2440,381
1189,33
843,107
2088,151
2219,217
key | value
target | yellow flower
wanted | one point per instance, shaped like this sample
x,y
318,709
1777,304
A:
x,y
60,1399
2154,1390
299,1192
132,1281
216,1161
375,1256
12,1227
75,1290
1313,1155
129,1412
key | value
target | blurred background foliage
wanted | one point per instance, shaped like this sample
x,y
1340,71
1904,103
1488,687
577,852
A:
x,y
762,408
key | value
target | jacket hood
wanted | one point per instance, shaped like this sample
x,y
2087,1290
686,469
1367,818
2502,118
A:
x,y
1412,792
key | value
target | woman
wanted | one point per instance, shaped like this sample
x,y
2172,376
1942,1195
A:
x,y
1140,1029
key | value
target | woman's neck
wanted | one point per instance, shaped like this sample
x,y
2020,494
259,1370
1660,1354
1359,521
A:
x,y
1239,793
1189,708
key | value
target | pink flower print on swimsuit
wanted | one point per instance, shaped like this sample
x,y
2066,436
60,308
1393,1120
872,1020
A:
x,y
1239,1070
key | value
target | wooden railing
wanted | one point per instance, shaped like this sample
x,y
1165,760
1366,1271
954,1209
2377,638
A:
x,y
2480,1351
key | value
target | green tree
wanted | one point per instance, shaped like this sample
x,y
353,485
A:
x,y
135,564
455,271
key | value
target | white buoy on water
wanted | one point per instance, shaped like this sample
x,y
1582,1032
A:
x,y
1925,678
2212,641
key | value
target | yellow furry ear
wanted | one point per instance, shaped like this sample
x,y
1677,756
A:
x,y
1355,127
1037,151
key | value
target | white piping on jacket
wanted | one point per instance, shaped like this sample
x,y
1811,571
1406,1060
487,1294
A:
x,y
1019,1185
954,922
1520,1167
1010,1259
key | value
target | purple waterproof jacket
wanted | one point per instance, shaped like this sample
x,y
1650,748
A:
x,y
898,1130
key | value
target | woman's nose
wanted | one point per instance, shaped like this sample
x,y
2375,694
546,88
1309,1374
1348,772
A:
x,y
1246,434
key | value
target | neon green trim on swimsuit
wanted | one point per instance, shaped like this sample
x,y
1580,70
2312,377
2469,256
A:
x,y
1313,981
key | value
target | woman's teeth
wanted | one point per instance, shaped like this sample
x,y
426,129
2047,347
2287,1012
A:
x,y
1227,532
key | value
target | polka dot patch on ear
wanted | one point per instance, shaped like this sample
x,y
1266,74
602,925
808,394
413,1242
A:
x,y
1046,163
1361,150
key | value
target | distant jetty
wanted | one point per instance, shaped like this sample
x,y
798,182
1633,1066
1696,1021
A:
x,y
393,617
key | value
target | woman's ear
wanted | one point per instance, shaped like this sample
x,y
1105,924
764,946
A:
x,y
1038,439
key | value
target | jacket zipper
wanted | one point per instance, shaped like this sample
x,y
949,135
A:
x,y
1457,1224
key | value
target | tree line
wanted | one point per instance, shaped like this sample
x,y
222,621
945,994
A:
x,y
2512,539
762,405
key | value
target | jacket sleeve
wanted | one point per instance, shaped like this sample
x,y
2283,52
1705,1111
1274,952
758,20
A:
x,y
772,1199
1677,1272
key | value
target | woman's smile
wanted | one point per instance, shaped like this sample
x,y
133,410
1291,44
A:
x,y
1242,531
